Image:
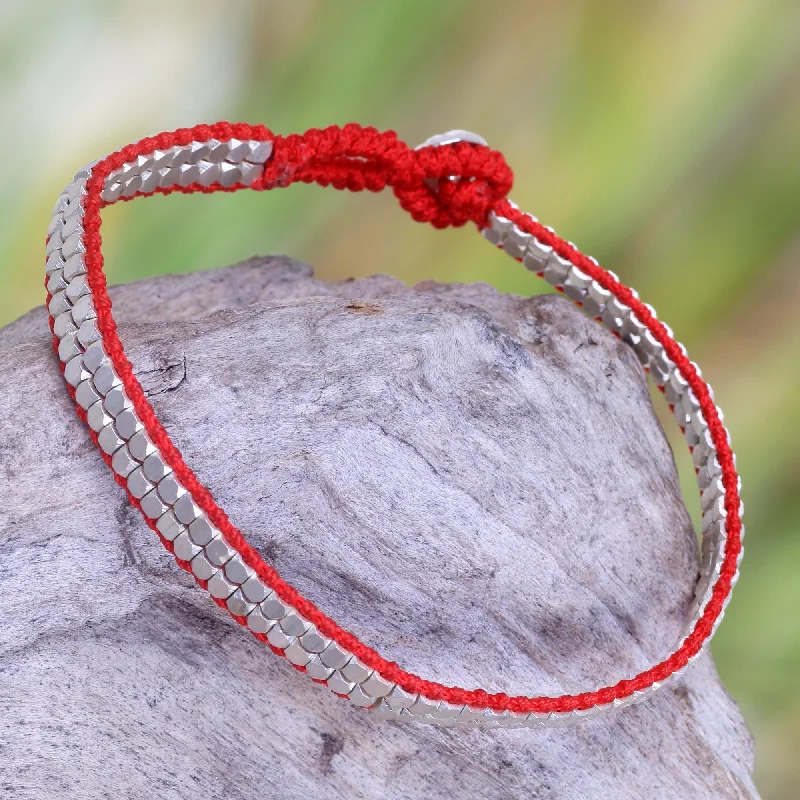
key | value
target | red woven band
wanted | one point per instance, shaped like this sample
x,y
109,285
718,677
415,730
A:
x,y
445,186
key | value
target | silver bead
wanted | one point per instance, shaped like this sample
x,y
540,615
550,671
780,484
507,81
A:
x,y
259,152
86,395
218,585
337,684
360,698
294,625
74,266
155,467
152,505
109,440
105,379
138,485
123,463
202,531
186,550
185,509
229,174
69,347
317,670
83,310
277,638
169,527
116,401
58,304
273,608
77,288
536,255
399,698
335,656
377,686
258,623
74,371
218,551
88,333
423,706
140,445
202,568
169,490
355,671
237,571
128,424
253,589
313,641
96,417
295,653
238,605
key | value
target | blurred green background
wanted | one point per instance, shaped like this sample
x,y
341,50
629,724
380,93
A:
x,y
663,137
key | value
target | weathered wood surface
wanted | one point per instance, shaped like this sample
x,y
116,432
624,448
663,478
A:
x,y
393,452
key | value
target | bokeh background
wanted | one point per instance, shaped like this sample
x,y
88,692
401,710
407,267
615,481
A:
x,y
663,137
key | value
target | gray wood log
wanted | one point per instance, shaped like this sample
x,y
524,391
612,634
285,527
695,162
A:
x,y
455,474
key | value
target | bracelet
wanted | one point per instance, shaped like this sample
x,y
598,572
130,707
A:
x,y
449,180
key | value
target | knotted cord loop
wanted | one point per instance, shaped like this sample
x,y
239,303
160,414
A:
x,y
446,185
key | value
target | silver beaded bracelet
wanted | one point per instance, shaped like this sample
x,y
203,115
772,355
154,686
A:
x,y
449,179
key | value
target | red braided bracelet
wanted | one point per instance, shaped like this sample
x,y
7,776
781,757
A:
x,y
449,181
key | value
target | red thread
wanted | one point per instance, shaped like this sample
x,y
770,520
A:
x,y
445,186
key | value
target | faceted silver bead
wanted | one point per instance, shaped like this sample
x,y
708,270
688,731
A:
x,y
69,347
188,174
277,638
54,262
250,173
313,641
515,242
208,173
77,288
88,333
296,654
140,445
155,467
273,608
337,684
237,150
536,256
63,324
294,625
202,568
229,174
58,304
423,706
123,463
317,670
116,401
360,698
153,506
399,698
238,605
335,656
83,310
150,180
74,266
169,490
557,269
202,531
105,379
169,526
57,283
128,424
237,571
75,372
186,550
96,417
355,671
186,510
218,585
377,686
218,551
259,152
258,623
253,589
138,485
109,440
85,394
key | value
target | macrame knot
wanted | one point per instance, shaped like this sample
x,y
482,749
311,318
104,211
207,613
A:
x,y
447,185
461,182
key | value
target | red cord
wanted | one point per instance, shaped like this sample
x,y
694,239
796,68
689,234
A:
x,y
357,159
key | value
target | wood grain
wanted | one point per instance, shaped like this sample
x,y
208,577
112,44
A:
x,y
460,477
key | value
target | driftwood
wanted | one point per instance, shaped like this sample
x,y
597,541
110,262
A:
x,y
392,451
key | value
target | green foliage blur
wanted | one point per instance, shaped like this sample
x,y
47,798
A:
x,y
663,137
